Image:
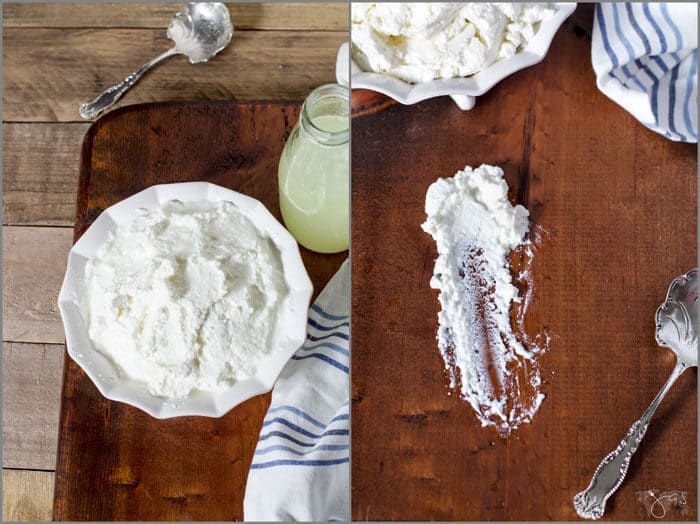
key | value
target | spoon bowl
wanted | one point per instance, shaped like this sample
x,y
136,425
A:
x,y
677,318
200,30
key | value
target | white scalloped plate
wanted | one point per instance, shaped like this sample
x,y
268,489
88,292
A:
x,y
286,340
463,90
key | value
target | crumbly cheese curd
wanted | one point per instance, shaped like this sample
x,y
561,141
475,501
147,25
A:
x,y
185,298
475,228
423,41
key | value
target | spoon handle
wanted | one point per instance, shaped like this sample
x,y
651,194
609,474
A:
x,y
590,503
114,93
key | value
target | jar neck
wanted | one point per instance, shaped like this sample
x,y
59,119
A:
x,y
327,102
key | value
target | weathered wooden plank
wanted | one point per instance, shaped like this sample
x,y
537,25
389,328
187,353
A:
x,y
284,16
27,495
34,261
31,395
47,73
40,173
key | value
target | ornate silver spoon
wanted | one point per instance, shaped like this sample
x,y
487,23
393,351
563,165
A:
x,y
676,328
199,31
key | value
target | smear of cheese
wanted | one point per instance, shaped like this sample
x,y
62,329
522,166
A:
x,y
475,228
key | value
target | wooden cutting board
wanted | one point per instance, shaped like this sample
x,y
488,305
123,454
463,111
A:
x,y
619,202
114,461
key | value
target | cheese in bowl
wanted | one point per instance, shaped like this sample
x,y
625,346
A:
x,y
185,299
423,41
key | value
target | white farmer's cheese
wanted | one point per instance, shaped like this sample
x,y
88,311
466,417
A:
x,y
475,228
421,41
185,297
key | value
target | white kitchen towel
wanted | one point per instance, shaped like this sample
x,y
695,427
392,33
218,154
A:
x,y
645,57
300,470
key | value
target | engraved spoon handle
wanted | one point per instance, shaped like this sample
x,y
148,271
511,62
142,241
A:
x,y
114,93
590,503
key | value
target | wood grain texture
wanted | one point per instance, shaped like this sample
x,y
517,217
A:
x,y
619,203
71,66
31,392
34,262
40,165
115,462
26,495
365,102
268,16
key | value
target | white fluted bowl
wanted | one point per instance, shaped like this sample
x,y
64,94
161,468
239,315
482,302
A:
x,y
462,90
290,328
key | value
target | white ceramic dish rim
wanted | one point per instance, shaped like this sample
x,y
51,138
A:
x,y
463,90
288,337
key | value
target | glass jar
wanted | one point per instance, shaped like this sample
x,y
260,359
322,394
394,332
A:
x,y
314,172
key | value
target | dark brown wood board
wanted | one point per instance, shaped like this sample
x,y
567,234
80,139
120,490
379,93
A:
x,y
619,202
114,461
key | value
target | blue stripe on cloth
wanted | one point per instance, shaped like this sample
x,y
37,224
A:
x,y
297,412
280,434
639,62
662,65
643,64
655,101
604,34
637,29
689,88
291,425
327,345
343,416
287,449
321,312
672,104
289,462
324,358
630,76
313,338
321,327
657,29
627,46
674,28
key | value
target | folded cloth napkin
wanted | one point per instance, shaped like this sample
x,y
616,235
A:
x,y
300,469
645,57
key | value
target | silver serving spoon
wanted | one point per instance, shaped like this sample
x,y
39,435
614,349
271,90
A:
x,y
676,328
199,31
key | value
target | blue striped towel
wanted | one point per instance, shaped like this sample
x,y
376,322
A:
x,y
645,57
300,469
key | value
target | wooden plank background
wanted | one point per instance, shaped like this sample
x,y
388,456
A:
x,y
619,203
55,57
